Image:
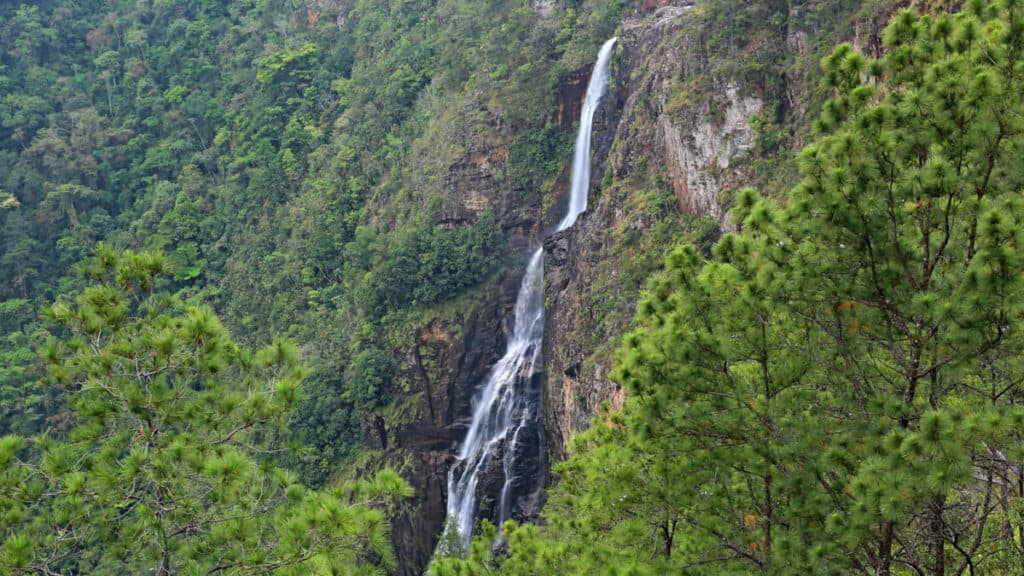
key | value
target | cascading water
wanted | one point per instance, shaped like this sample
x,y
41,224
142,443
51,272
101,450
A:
x,y
501,412
509,404
580,187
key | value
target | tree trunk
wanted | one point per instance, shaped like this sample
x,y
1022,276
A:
x,y
668,532
884,550
937,536
110,97
768,520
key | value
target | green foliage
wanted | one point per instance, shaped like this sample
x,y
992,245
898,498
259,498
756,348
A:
x,y
269,150
838,389
420,265
283,157
297,64
158,472
8,201
370,376
539,153
323,428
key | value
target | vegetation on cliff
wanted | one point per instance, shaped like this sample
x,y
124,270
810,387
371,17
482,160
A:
x,y
833,388
837,389
291,162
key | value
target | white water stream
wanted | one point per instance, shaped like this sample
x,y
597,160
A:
x,y
509,401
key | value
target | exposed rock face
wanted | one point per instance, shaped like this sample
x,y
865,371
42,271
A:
x,y
446,361
447,357
545,8
474,176
571,93
692,144
671,120
694,137
574,389
655,128
698,162
465,163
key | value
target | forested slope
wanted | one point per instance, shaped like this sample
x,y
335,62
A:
x,y
363,178
355,176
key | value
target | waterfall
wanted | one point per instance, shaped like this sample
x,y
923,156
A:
x,y
503,410
508,405
581,154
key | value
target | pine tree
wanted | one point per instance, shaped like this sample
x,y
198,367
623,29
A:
x,y
846,370
162,471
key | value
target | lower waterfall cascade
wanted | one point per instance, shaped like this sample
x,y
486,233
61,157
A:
x,y
506,430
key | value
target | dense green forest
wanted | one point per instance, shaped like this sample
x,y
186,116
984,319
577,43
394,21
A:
x,y
266,151
160,470
275,164
225,227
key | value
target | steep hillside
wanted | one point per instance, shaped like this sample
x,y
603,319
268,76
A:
x,y
707,99
361,177
367,178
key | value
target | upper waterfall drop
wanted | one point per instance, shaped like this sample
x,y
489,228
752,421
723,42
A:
x,y
505,436
580,187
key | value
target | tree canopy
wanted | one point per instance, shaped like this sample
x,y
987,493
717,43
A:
x,y
163,467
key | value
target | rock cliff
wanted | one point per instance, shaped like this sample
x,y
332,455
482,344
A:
x,y
449,351
446,353
687,121
445,361
647,138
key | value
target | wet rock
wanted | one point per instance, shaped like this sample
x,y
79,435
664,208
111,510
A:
x,y
571,92
446,361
